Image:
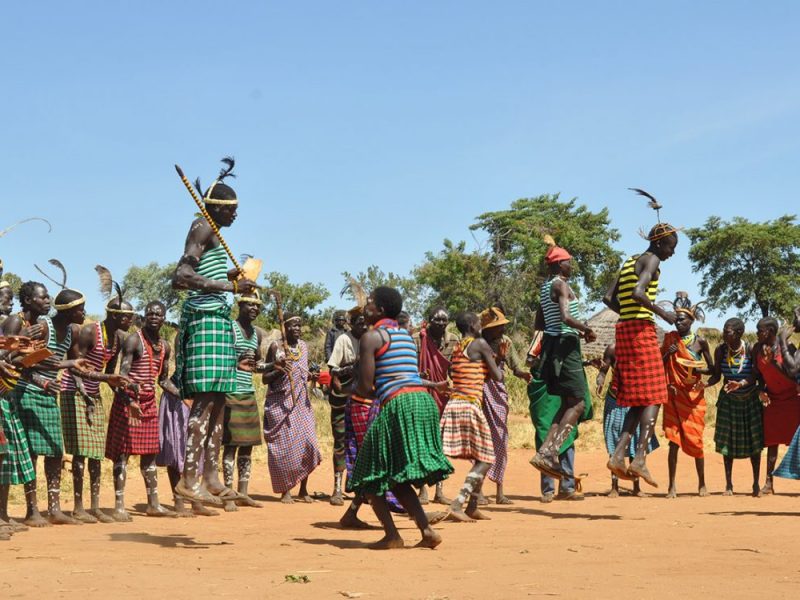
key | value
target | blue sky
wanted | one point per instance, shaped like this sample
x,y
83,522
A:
x,y
354,123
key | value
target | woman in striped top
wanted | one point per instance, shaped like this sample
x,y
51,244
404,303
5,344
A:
x,y
739,432
640,374
465,430
403,447
205,359
561,360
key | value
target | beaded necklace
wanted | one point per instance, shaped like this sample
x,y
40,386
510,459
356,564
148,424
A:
x,y
736,360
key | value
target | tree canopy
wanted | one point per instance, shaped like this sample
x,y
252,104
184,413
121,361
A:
x,y
754,267
153,282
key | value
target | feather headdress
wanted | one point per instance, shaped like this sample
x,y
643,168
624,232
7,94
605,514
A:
x,y
60,266
359,294
660,230
224,173
682,304
108,288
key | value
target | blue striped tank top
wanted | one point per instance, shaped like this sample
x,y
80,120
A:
x,y
629,309
213,265
396,362
242,344
737,366
553,325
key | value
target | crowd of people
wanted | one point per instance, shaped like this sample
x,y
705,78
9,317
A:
x,y
402,405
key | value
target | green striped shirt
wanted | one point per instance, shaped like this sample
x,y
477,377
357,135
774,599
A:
x,y
242,344
213,265
553,325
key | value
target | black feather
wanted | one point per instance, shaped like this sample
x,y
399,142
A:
x,y
198,187
118,289
229,162
59,265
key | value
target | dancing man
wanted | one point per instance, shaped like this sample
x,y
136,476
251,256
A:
x,y
205,356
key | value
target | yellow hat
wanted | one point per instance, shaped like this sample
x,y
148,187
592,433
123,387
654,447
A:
x,y
493,317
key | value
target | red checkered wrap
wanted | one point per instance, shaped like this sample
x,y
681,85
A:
x,y
124,438
640,376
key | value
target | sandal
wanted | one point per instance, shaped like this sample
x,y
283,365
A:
x,y
227,494
200,495
542,466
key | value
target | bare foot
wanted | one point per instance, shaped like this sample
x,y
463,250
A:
x,y
337,500
203,511
482,500
36,520
503,500
387,543
160,511
100,515
307,499
121,515
13,526
728,492
442,499
5,535
351,521
59,518
672,493
430,539
702,491
287,498
640,494
459,516
767,490
184,513
477,515
619,469
639,469
230,506
614,493
756,492
83,516
249,502
423,495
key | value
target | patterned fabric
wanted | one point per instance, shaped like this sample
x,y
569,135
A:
x,y
782,416
59,350
338,430
3,441
244,345
562,366
685,411
396,364
640,376
289,427
403,445
465,432
495,409
41,419
790,465
242,423
435,362
738,365
739,431
613,421
630,308
173,422
356,423
124,438
17,467
99,356
468,375
553,325
82,438
205,359
213,265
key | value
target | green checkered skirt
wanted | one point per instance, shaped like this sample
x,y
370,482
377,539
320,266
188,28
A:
x,y
242,422
82,438
403,445
41,419
739,430
206,359
17,467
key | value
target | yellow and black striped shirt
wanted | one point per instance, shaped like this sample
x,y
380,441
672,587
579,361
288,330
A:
x,y
628,307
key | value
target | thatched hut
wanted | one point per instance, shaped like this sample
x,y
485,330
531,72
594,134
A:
x,y
604,325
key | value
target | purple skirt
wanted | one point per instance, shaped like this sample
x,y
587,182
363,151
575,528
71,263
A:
x,y
173,420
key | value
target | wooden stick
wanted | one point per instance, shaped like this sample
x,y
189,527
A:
x,y
279,306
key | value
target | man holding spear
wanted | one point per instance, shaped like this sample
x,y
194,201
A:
x,y
205,354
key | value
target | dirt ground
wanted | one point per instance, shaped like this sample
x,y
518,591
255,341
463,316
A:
x,y
735,547
727,547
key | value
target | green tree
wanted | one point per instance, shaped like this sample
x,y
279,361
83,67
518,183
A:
x,y
14,280
754,267
299,299
457,279
409,287
153,282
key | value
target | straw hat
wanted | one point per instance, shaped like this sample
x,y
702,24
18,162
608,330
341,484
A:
x,y
493,317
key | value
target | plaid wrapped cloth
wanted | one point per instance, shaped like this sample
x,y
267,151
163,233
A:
x,y
127,439
290,429
356,423
790,465
242,423
205,359
41,420
173,423
739,431
82,438
403,445
495,408
3,441
17,467
465,432
641,379
338,429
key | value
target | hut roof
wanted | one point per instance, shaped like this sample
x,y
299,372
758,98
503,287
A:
x,y
604,325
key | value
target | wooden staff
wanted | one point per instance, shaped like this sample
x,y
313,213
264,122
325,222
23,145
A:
x,y
279,307
208,219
